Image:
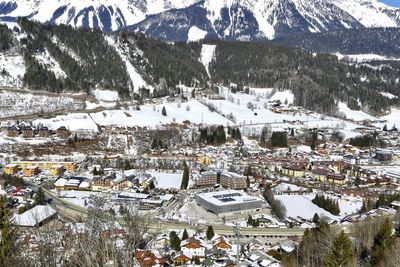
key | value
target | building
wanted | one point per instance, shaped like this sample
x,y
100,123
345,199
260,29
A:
x,y
320,174
207,178
194,248
27,132
335,178
228,202
383,155
232,180
11,169
72,183
30,171
36,216
103,183
44,132
204,160
47,165
149,258
296,170
57,170
12,131
63,133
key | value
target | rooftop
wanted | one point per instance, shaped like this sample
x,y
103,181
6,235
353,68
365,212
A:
x,y
227,197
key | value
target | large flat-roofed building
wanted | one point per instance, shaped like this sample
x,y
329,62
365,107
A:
x,y
228,202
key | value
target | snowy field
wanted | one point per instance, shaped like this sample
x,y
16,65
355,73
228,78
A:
x,y
301,205
150,115
167,180
72,121
356,115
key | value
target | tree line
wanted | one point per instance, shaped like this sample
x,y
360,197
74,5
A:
x,y
327,203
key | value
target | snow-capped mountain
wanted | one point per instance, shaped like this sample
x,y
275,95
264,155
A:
x,y
109,15
258,19
193,19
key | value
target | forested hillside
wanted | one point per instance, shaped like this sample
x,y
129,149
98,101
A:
x,y
87,59
318,81
166,65
381,41
61,58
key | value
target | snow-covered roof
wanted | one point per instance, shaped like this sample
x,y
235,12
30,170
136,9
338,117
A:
x,y
227,197
34,216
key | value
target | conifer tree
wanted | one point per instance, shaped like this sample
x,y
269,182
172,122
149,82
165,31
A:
x,y
341,253
40,198
381,242
8,240
185,235
185,176
210,232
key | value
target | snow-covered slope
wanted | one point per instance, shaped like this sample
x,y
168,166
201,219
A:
x,y
108,15
257,19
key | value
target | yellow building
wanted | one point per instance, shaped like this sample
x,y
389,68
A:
x,y
10,169
57,170
47,165
335,178
296,170
204,160
30,171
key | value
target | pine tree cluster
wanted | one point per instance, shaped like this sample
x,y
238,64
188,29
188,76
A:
x,y
213,135
327,204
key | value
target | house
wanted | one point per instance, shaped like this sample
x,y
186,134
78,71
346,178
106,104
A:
x,y
27,132
12,131
44,132
221,242
181,258
36,216
11,169
204,160
383,155
30,171
57,170
296,170
320,174
194,248
162,241
148,258
63,133
335,178
122,184
103,183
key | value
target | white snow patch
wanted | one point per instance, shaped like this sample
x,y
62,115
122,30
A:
x,y
106,95
207,55
356,115
167,180
196,34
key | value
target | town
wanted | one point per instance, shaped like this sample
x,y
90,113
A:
x,y
237,183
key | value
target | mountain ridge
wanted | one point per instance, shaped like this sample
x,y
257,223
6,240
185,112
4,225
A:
x,y
172,20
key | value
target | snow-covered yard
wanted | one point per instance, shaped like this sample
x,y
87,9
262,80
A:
x,y
301,205
167,180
